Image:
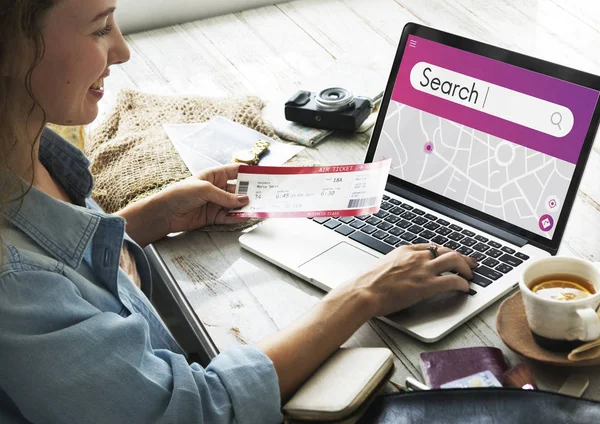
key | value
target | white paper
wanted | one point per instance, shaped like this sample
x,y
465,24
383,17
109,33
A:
x,y
214,143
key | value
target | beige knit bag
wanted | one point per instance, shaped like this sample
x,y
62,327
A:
x,y
131,154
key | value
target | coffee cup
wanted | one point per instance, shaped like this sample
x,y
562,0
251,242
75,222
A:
x,y
561,297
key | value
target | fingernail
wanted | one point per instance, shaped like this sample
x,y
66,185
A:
x,y
474,261
243,198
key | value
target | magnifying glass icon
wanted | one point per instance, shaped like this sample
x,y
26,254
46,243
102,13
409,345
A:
x,y
556,119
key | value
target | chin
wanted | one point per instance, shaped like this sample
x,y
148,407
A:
x,y
84,118
89,115
88,120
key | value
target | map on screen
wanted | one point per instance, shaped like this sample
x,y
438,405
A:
x,y
510,152
479,170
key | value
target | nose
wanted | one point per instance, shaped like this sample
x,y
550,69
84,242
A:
x,y
119,52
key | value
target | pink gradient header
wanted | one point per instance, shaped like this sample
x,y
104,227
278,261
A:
x,y
580,100
298,170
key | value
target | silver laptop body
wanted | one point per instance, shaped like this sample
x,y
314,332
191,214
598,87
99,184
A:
x,y
328,252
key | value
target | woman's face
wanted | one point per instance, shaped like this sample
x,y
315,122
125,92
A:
x,y
82,41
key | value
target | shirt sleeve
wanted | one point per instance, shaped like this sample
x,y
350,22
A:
x,y
65,361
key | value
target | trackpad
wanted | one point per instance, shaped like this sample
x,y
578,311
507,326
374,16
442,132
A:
x,y
337,265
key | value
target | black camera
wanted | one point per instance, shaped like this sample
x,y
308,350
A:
x,y
331,109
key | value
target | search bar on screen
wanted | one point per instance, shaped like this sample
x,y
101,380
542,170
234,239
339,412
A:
x,y
510,105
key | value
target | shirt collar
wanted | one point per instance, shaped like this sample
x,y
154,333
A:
x,y
64,230
67,164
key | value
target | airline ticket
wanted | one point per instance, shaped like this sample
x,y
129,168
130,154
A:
x,y
296,192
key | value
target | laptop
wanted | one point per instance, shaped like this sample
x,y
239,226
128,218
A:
x,y
488,148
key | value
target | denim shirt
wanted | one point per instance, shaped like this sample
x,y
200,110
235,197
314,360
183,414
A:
x,y
80,343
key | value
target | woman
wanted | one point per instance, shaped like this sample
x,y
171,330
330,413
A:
x,y
79,340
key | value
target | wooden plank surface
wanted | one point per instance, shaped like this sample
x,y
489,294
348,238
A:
x,y
270,52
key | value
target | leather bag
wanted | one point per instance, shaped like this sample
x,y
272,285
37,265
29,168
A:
x,y
481,406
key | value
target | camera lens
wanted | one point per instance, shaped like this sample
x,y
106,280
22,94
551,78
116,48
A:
x,y
334,99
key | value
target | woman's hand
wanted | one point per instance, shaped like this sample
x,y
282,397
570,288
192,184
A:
x,y
400,279
200,200
410,274
189,204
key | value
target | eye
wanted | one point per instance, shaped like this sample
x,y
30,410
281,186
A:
x,y
104,31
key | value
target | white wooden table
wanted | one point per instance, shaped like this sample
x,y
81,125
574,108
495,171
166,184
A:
x,y
269,52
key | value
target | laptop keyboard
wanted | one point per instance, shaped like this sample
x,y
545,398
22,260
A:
x,y
400,224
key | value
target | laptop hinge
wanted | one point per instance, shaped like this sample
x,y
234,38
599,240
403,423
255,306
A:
x,y
459,216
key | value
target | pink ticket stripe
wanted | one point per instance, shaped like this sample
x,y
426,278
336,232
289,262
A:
x,y
306,214
298,170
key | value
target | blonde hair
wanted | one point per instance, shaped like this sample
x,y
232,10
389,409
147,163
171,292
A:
x,y
19,31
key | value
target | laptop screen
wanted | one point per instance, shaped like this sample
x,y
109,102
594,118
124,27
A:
x,y
495,137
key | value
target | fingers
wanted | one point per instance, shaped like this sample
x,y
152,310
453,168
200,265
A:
x,y
448,260
212,174
231,188
425,246
452,261
231,170
220,197
222,218
472,262
449,282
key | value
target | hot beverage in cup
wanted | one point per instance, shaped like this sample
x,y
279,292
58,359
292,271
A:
x,y
561,298
562,287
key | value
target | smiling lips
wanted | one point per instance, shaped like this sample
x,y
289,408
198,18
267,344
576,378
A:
x,y
98,85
